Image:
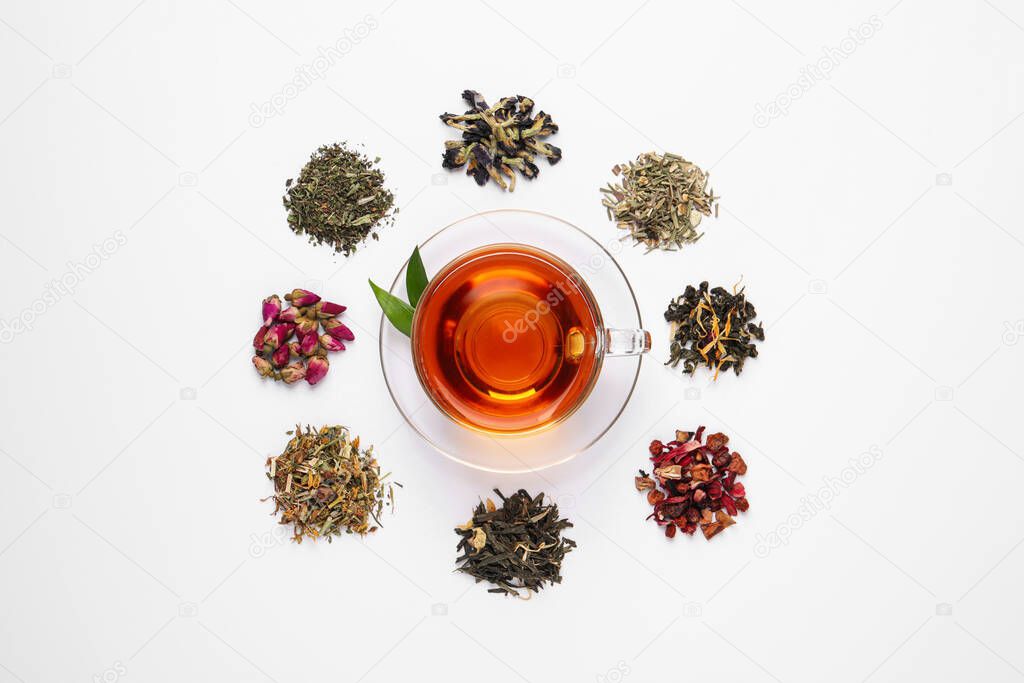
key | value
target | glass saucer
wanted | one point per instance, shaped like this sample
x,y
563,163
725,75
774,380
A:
x,y
614,387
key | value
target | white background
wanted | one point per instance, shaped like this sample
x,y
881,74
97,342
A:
x,y
133,543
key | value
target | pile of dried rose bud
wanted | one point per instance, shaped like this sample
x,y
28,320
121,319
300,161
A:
x,y
694,484
303,319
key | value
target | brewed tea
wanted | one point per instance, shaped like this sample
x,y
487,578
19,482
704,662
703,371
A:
x,y
505,339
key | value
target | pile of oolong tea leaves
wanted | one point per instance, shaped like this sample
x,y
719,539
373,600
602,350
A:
x,y
500,140
325,485
712,328
516,547
339,199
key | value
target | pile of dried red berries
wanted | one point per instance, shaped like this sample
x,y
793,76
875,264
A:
x,y
694,484
290,361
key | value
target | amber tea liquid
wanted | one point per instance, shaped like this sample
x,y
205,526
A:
x,y
505,339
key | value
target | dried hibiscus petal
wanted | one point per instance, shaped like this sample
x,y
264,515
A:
x,y
721,459
724,519
729,505
670,472
643,482
737,464
710,530
673,510
701,472
717,440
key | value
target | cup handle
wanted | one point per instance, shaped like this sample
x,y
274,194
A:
x,y
626,342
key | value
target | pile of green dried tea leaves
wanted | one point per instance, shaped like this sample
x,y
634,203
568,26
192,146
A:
x,y
499,140
324,485
516,547
339,199
660,200
712,328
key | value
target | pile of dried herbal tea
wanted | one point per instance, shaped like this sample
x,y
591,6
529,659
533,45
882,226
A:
x,y
694,484
304,318
324,485
660,200
339,199
712,328
500,140
515,547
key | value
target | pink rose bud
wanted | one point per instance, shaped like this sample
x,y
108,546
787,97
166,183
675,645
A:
x,y
281,356
330,343
293,347
278,335
302,297
325,309
261,336
316,369
307,326
271,308
288,315
262,366
309,345
338,330
293,372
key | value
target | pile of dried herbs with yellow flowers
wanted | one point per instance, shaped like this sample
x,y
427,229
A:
x,y
325,485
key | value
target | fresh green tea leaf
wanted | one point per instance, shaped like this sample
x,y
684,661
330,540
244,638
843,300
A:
x,y
396,310
415,277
